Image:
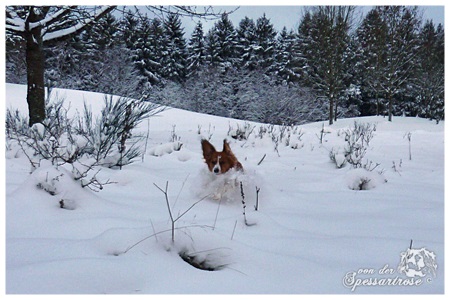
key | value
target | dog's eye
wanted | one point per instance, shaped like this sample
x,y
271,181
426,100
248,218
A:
x,y
214,162
221,163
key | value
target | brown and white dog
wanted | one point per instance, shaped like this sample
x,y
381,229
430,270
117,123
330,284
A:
x,y
220,162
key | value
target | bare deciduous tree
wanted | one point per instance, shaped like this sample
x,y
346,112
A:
x,y
37,25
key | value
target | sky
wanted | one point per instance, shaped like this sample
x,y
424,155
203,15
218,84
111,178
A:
x,y
290,16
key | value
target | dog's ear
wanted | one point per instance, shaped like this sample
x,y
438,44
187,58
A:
x,y
208,149
226,147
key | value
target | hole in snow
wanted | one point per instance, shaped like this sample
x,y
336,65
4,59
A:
x,y
201,262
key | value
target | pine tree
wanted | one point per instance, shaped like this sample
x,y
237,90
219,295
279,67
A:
x,y
326,41
430,79
246,44
96,41
265,39
175,52
285,57
147,51
212,48
15,64
129,27
196,50
372,57
402,44
221,44
302,50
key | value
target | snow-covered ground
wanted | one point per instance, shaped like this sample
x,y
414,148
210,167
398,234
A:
x,y
312,232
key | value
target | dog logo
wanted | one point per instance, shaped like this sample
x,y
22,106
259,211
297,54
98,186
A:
x,y
417,263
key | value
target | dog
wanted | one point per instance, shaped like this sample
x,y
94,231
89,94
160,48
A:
x,y
220,162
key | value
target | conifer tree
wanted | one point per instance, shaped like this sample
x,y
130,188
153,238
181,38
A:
x,y
265,39
221,41
430,78
148,51
175,52
246,44
401,57
196,50
286,56
128,26
372,56
326,41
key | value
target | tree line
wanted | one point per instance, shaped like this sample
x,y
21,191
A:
x,y
331,66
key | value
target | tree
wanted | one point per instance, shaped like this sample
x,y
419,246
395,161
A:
x,y
371,40
221,43
15,63
148,51
326,41
401,49
265,39
38,25
175,52
430,78
196,50
96,44
129,27
286,56
246,44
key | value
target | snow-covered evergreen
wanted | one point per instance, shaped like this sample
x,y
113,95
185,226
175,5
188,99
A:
x,y
174,61
265,40
247,44
196,50
222,41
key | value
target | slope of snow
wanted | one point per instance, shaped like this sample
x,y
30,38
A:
x,y
310,230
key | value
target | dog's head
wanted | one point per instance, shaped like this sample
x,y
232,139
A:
x,y
219,162
417,262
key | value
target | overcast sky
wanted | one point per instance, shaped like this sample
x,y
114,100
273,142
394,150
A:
x,y
290,16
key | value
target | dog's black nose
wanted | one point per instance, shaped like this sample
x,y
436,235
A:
x,y
216,170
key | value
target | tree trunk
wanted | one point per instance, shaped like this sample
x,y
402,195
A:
x,y
390,107
335,109
35,76
331,111
378,103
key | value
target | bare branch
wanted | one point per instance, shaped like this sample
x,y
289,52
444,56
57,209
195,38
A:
x,y
203,12
79,26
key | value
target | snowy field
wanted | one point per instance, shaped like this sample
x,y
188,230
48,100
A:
x,y
313,232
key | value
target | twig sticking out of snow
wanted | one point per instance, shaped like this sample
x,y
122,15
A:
x,y
234,229
173,221
408,136
257,197
244,206
262,159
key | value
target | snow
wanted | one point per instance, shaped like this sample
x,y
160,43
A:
x,y
311,233
166,148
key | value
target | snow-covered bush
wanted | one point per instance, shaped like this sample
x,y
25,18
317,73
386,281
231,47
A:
x,y
338,158
358,139
110,137
80,141
240,132
53,140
